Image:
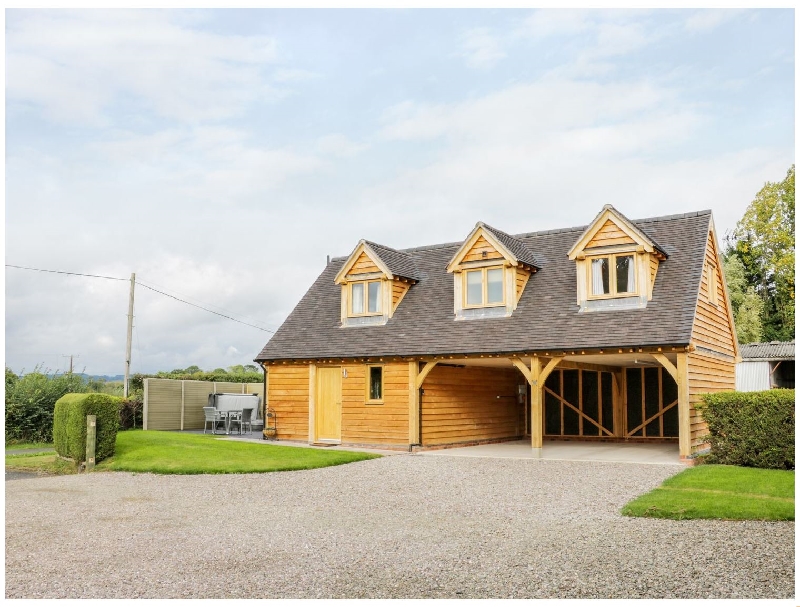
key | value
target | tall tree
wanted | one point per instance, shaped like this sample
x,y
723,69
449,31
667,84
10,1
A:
x,y
746,304
764,243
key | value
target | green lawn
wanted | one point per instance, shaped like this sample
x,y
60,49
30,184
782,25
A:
x,y
16,446
720,492
177,453
41,463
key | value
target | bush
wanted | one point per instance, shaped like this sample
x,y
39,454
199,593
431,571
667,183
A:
x,y
69,425
130,413
754,429
30,401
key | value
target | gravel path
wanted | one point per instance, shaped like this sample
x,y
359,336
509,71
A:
x,y
395,527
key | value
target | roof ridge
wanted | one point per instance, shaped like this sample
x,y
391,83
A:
x,y
443,245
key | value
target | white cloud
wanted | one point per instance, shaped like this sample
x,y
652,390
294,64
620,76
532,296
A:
x,y
339,145
709,19
77,65
481,48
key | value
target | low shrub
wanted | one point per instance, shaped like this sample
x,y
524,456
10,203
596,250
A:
x,y
754,429
130,413
69,425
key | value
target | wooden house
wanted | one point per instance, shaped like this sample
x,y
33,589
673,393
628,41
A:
x,y
606,332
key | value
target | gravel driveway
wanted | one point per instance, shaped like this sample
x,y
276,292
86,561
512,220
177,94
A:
x,y
400,526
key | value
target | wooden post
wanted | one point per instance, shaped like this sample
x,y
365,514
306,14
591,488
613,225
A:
x,y
91,441
312,398
537,396
684,415
413,404
183,401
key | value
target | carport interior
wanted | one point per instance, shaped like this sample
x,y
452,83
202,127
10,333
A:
x,y
623,397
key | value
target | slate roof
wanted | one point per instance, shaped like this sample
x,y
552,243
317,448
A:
x,y
772,350
516,246
546,317
400,263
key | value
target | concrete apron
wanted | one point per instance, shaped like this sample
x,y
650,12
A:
x,y
639,453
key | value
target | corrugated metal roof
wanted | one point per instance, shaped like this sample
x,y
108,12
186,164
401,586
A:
x,y
771,350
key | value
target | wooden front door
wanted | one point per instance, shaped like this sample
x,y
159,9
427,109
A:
x,y
328,403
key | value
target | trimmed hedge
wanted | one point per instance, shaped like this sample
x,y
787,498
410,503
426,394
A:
x,y
754,429
69,424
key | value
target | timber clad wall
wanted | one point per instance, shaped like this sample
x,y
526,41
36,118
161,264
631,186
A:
x,y
480,247
461,404
707,373
609,235
364,265
712,328
287,394
375,424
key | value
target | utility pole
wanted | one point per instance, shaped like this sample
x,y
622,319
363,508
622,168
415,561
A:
x,y
130,334
71,356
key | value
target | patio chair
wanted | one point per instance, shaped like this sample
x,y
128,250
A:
x,y
246,421
212,417
234,417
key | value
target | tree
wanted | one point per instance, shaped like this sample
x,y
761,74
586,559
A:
x,y
746,304
236,369
764,243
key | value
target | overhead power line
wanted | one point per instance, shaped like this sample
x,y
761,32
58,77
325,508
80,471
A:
x,y
146,286
8,265
206,309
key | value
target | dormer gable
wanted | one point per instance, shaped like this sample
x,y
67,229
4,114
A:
x,y
490,271
374,279
616,263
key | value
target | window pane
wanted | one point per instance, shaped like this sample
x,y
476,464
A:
x,y
600,276
374,291
474,288
375,383
357,297
626,274
494,286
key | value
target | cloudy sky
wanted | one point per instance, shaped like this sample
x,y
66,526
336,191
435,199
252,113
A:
x,y
221,155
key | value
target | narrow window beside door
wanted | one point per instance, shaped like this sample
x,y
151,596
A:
x,y
375,385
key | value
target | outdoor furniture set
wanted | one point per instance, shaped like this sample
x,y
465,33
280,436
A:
x,y
230,411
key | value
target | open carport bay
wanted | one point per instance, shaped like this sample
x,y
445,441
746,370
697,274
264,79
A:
x,y
400,526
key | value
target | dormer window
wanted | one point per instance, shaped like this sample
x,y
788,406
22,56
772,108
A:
x,y
616,264
374,280
365,298
613,276
490,271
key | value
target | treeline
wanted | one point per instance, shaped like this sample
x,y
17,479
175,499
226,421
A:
x,y
244,374
759,265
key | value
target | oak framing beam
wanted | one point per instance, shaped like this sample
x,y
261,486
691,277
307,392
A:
x,y
668,366
536,377
424,372
684,408
413,404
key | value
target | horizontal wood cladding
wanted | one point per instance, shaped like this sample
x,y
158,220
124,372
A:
x,y
287,395
462,404
385,423
522,276
364,265
399,289
609,235
653,272
707,373
712,327
481,246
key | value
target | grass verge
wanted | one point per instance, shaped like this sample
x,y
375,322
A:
x,y
41,463
20,446
720,492
176,453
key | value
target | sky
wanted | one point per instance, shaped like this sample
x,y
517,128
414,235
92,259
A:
x,y
221,155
